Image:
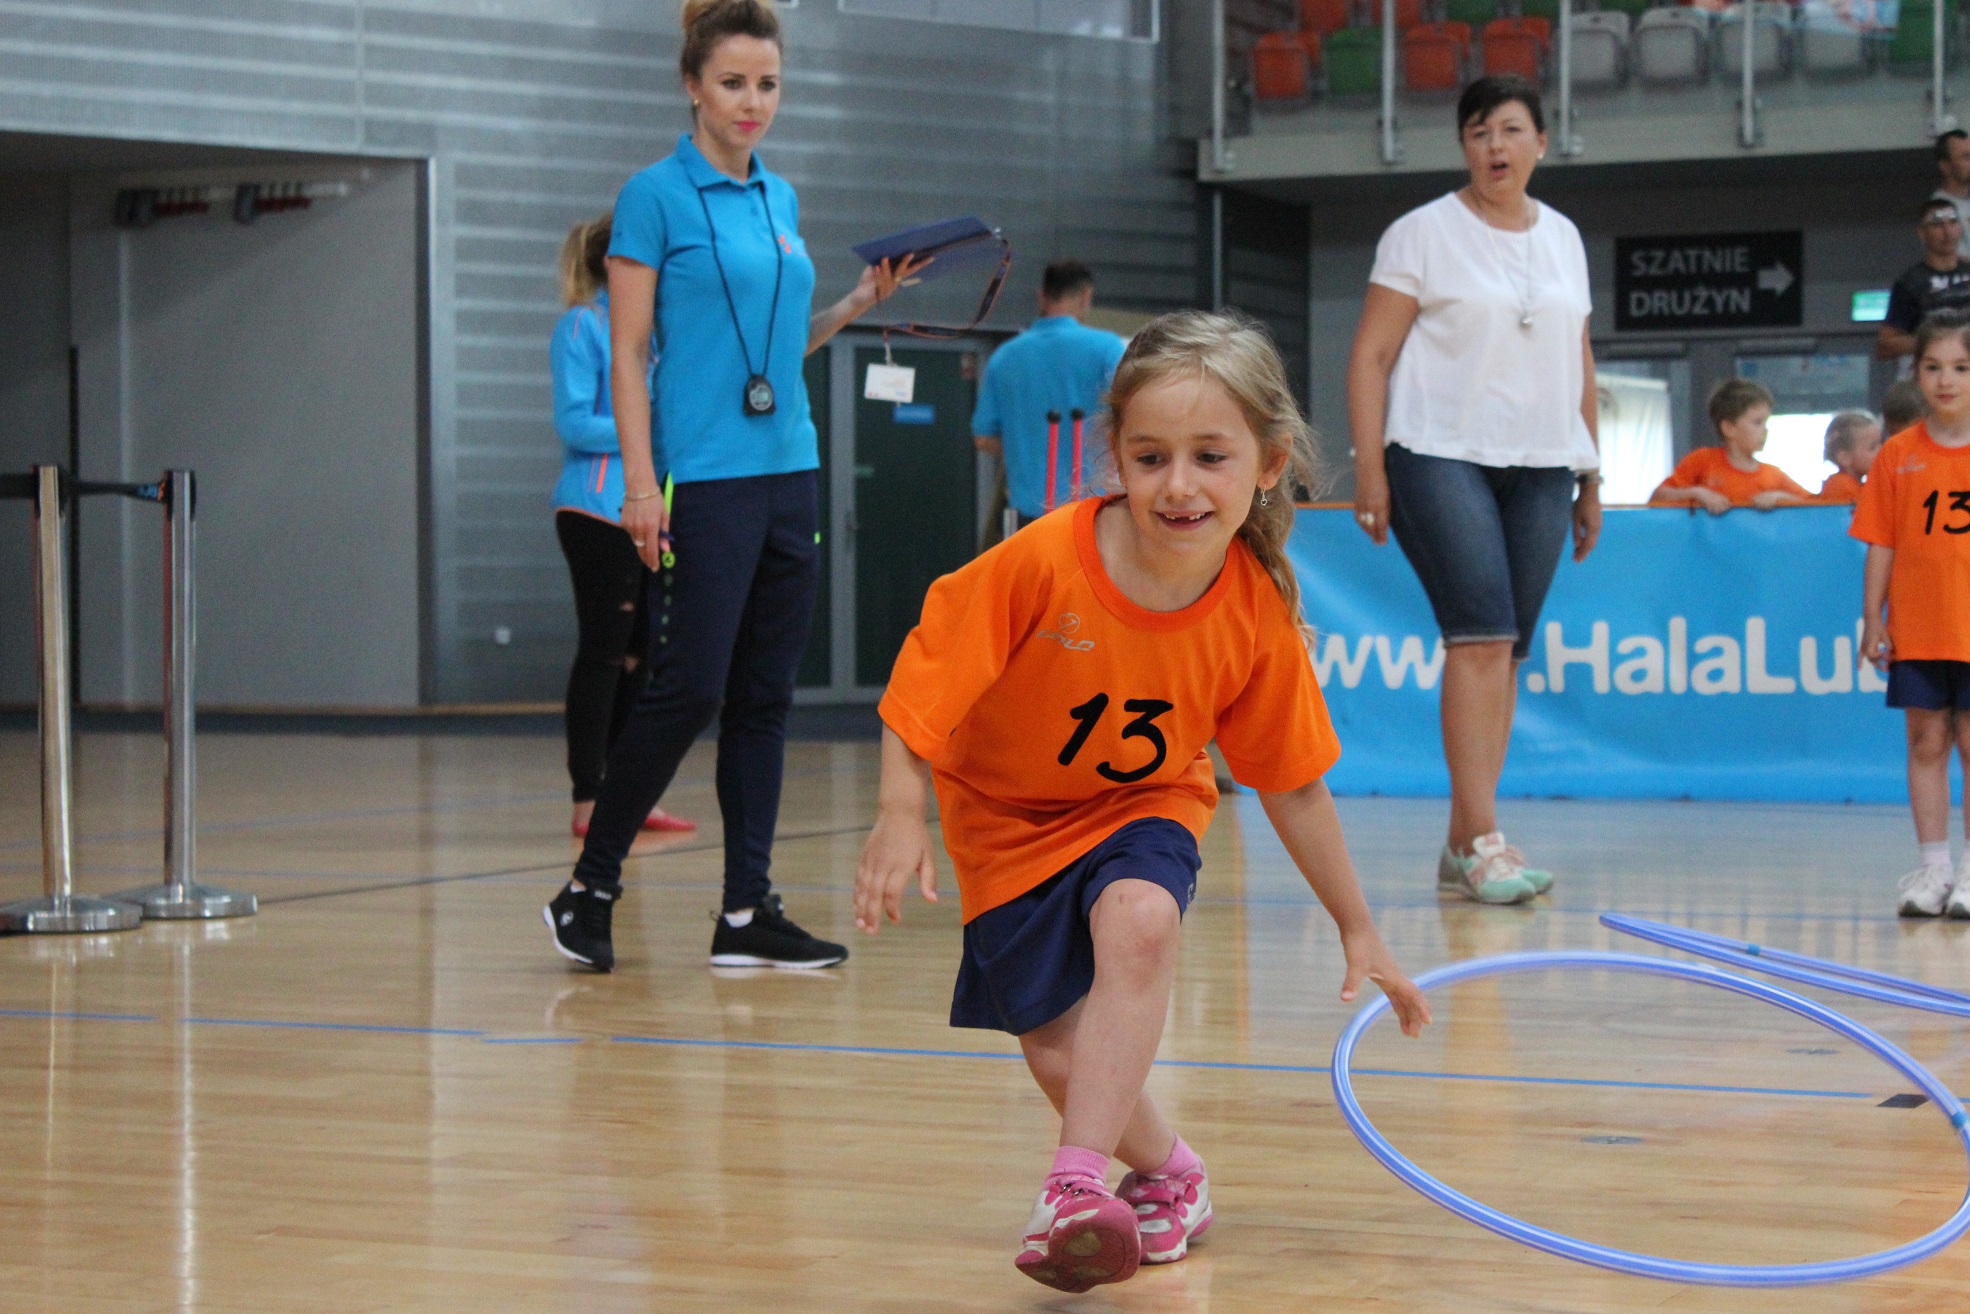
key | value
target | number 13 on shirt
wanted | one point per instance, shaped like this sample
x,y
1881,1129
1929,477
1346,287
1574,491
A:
x,y
1089,714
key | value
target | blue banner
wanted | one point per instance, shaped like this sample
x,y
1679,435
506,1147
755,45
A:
x,y
1690,656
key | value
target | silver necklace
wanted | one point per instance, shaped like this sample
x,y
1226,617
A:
x,y
1505,271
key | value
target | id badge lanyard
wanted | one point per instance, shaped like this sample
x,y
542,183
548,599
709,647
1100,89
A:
x,y
757,399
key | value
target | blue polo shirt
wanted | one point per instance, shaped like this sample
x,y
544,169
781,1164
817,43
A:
x,y
1055,365
699,426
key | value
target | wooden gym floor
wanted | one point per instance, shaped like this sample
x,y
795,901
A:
x,y
387,1092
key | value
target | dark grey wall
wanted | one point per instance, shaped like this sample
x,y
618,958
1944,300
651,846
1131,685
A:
x,y
279,360
33,394
1855,213
531,120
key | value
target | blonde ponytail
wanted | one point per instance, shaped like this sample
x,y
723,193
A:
x,y
1237,354
584,260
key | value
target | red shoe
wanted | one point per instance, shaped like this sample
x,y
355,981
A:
x,y
657,820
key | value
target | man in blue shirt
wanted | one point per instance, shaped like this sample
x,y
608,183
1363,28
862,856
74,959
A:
x,y
1057,364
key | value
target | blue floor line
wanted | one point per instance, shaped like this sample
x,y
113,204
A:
x,y
327,1026
1246,1067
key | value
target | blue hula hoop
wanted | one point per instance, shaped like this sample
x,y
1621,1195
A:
x,y
1627,1261
1824,973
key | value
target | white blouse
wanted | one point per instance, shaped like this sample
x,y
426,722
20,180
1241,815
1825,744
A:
x,y
1491,371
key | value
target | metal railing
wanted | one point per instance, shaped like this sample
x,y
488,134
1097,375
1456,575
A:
x,y
60,910
1746,23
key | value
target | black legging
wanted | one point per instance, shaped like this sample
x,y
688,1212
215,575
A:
x,y
612,617
729,627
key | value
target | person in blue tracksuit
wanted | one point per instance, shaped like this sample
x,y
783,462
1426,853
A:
x,y
1058,364
706,253
610,612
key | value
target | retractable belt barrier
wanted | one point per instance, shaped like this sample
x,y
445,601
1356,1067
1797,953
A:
x,y
60,910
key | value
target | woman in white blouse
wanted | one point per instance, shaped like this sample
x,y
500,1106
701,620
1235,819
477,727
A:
x,y
1471,398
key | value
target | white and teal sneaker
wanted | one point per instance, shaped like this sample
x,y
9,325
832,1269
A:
x,y
1493,872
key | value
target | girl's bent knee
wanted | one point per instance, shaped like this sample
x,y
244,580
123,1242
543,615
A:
x,y
1136,918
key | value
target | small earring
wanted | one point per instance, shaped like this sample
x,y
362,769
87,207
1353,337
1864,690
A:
x,y
1265,498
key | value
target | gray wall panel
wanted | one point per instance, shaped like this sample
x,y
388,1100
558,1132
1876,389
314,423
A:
x,y
532,113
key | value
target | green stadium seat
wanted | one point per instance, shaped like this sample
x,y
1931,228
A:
x,y
1354,62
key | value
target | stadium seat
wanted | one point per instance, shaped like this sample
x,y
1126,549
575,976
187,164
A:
x,y
1830,45
1354,62
1435,55
1600,50
1671,46
1473,14
1323,16
1771,39
1282,75
1914,41
1516,45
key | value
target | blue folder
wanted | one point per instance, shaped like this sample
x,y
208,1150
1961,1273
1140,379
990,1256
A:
x,y
952,244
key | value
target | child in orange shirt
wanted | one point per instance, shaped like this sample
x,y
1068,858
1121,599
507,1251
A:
x,y
1719,478
1852,440
1060,691
1914,515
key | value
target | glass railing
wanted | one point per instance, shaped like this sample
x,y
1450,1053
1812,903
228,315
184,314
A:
x,y
1618,74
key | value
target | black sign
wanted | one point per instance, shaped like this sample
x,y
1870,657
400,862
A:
x,y
1728,280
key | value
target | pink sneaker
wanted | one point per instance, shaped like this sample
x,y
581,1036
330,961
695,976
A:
x,y
1079,1237
1169,1212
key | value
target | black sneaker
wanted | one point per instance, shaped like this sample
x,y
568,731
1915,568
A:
x,y
770,940
580,922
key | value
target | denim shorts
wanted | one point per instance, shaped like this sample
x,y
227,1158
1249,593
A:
x,y
1929,684
1031,959
1484,540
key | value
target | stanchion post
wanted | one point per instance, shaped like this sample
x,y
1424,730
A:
x,y
59,910
180,896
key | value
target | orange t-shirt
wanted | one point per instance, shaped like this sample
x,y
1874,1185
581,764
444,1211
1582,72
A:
x,y
1917,501
1053,711
1710,467
1840,487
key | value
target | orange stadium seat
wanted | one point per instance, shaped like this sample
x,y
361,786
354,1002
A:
x,y
1282,73
1435,55
1516,45
1323,16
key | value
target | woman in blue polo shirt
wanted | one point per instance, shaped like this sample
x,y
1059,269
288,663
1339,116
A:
x,y
611,614
706,251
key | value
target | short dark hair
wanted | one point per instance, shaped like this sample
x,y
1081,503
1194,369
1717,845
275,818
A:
x,y
1942,324
1901,406
1936,203
1487,94
1730,399
1064,278
1944,139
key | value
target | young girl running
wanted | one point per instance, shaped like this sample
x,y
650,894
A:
x,y
1914,516
1060,691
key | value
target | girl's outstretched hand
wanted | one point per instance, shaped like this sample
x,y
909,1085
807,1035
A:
x,y
1370,960
897,849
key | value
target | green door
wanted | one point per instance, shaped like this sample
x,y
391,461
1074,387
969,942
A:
x,y
815,666
916,500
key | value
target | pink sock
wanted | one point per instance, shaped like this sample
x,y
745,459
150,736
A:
x,y
1182,1159
1073,1161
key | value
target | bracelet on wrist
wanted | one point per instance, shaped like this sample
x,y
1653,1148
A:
x,y
642,497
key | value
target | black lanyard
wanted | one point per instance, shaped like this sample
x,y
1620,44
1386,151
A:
x,y
758,396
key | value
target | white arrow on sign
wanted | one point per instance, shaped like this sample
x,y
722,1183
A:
x,y
1776,279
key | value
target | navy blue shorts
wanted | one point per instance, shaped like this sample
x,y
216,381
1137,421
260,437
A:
x,y
1484,541
1028,961
1933,686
